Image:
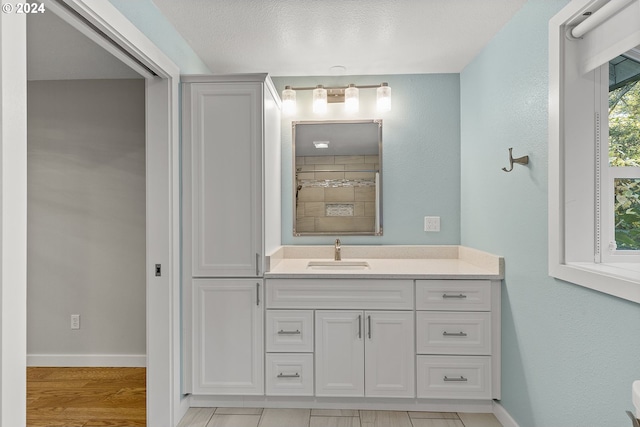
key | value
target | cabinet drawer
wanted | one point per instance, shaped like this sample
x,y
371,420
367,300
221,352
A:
x,y
289,331
441,332
458,377
463,295
289,374
340,293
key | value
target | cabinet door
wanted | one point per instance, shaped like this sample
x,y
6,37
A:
x,y
226,160
339,353
228,331
389,354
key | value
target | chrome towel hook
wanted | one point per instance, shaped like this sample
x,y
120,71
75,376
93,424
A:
x,y
524,160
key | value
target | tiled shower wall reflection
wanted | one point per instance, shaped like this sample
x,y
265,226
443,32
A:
x,y
336,193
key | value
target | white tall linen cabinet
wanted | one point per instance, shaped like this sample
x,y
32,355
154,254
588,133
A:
x,y
231,220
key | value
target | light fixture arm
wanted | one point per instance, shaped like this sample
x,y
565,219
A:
x,y
335,87
335,94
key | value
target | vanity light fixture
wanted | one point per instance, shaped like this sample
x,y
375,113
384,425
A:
x,y
350,95
319,100
288,101
351,99
383,97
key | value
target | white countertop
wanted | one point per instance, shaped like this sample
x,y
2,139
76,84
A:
x,y
388,262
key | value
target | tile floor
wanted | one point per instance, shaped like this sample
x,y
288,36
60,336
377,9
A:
x,y
257,417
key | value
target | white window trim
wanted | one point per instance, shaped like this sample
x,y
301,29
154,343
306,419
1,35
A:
x,y
620,279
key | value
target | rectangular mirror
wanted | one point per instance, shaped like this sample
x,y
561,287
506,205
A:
x,y
337,177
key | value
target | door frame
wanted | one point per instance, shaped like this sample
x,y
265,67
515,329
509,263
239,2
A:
x,y
97,19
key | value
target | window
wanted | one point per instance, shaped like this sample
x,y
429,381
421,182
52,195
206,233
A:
x,y
620,160
594,205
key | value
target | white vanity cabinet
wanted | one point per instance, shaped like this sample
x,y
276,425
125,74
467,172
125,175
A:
x,y
458,339
231,205
231,174
228,337
364,353
364,334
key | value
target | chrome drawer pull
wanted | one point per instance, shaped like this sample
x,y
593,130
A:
x,y
453,334
460,296
281,375
283,332
459,380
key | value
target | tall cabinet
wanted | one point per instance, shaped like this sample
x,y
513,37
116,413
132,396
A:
x,y
231,219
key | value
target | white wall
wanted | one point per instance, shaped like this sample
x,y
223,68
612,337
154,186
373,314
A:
x,y
86,222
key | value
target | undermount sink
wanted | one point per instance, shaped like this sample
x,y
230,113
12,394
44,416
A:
x,y
338,265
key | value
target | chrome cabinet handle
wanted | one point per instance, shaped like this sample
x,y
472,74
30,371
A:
x,y
281,375
283,332
369,324
258,294
359,326
454,334
459,296
456,379
257,264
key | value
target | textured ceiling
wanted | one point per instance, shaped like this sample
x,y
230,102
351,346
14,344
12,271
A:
x,y
308,37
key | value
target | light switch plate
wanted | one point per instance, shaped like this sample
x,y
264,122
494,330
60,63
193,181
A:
x,y
431,223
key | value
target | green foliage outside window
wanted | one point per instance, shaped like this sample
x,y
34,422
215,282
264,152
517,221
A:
x,y
624,150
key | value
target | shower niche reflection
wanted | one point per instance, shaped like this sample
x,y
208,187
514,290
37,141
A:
x,y
337,177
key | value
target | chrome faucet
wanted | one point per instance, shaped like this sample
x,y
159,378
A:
x,y
337,256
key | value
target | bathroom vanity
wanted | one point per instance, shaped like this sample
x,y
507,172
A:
x,y
369,327
395,327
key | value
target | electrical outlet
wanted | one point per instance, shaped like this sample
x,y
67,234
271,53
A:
x,y
431,223
75,321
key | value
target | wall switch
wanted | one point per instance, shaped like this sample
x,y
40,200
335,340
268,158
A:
x,y
75,321
431,223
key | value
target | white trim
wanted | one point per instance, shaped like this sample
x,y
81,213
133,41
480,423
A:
x,y
13,219
503,416
79,360
606,278
365,403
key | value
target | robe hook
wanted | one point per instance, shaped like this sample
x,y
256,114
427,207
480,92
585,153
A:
x,y
524,160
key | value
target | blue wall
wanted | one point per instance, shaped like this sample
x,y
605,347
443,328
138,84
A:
x,y
421,155
569,353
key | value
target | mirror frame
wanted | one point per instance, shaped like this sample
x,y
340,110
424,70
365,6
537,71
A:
x,y
378,219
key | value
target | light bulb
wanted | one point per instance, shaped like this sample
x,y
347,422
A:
x,y
383,96
319,100
351,99
288,101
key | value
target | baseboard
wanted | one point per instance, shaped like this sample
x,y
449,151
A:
x,y
503,416
82,360
365,403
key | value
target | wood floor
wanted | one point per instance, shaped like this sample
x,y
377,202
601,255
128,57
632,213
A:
x,y
86,397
